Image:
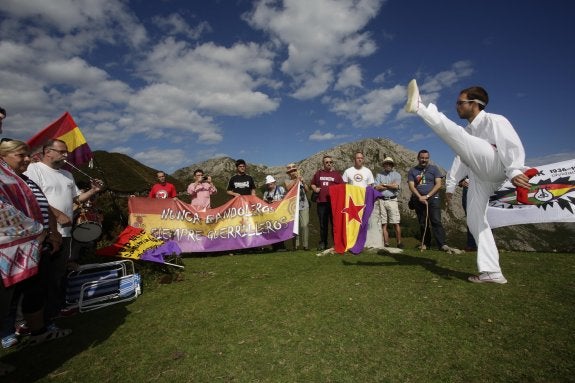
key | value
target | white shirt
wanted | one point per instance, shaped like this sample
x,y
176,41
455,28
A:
x,y
498,131
59,187
359,177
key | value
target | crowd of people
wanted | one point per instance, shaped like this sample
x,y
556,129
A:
x,y
37,206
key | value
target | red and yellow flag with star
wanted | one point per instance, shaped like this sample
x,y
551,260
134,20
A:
x,y
351,208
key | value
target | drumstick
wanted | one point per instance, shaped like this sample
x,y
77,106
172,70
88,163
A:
x,y
86,174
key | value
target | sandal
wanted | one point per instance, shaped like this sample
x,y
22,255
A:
x,y
48,335
5,369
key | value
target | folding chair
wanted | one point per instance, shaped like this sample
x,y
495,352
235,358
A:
x,y
98,285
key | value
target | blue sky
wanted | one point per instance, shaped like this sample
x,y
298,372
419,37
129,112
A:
x,y
171,83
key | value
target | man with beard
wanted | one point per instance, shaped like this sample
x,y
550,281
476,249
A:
x,y
320,184
59,187
491,150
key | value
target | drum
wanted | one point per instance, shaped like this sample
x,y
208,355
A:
x,y
88,226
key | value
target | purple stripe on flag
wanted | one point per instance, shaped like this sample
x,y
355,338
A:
x,y
157,254
370,195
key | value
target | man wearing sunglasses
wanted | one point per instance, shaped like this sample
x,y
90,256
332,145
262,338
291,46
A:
x,y
320,184
60,188
490,150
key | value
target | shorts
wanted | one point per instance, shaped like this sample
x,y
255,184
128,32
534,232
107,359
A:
x,y
387,211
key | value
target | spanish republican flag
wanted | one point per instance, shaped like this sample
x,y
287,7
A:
x,y
351,207
64,129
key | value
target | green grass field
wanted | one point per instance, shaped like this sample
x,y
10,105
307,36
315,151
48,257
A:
x,y
296,317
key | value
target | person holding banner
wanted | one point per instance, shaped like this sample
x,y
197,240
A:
x,y
322,180
200,190
241,183
294,178
273,193
163,189
491,150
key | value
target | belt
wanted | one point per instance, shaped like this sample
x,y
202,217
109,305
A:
x,y
388,198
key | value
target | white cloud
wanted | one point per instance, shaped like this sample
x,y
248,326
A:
x,y
319,136
214,78
445,79
319,35
45,69
420,137
371,109
105,19
175,24
349,77
162,158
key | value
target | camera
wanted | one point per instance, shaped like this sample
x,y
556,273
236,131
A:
x,y
270,199
204,178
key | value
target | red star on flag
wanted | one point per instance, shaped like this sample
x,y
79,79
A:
x,y
353,210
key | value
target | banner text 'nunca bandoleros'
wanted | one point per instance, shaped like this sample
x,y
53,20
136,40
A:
x,y
243,222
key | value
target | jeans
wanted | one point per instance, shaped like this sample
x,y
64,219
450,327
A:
x,y
325,218
433,222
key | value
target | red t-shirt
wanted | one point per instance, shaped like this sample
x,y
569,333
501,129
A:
x,y
163,191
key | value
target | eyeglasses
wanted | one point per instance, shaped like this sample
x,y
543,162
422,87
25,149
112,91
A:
x,y
59,151
6,140
328,162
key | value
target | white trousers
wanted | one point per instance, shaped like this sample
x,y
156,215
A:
x,y
487,174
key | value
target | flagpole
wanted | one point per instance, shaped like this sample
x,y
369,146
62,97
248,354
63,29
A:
x,y
173,264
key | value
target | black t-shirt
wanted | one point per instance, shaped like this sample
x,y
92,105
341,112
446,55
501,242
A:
x,y
241,184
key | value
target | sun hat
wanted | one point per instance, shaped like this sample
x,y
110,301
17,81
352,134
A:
x,y
291,167
270,179
388,160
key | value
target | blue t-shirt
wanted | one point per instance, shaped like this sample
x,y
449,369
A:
x,y
424,178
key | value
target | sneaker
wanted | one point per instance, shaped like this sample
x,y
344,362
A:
x,y
487,277
400,246
451,250
9,341
321,247
412,104
52,332
421,247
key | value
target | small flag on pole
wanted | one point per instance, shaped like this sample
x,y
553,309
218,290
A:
x,y
65,129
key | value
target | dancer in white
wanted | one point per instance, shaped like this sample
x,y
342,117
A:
x,y
491,150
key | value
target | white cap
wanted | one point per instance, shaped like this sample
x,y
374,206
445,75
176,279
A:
x,y
270,179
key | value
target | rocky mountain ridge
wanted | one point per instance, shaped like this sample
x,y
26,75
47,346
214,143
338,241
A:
x,y
517,238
